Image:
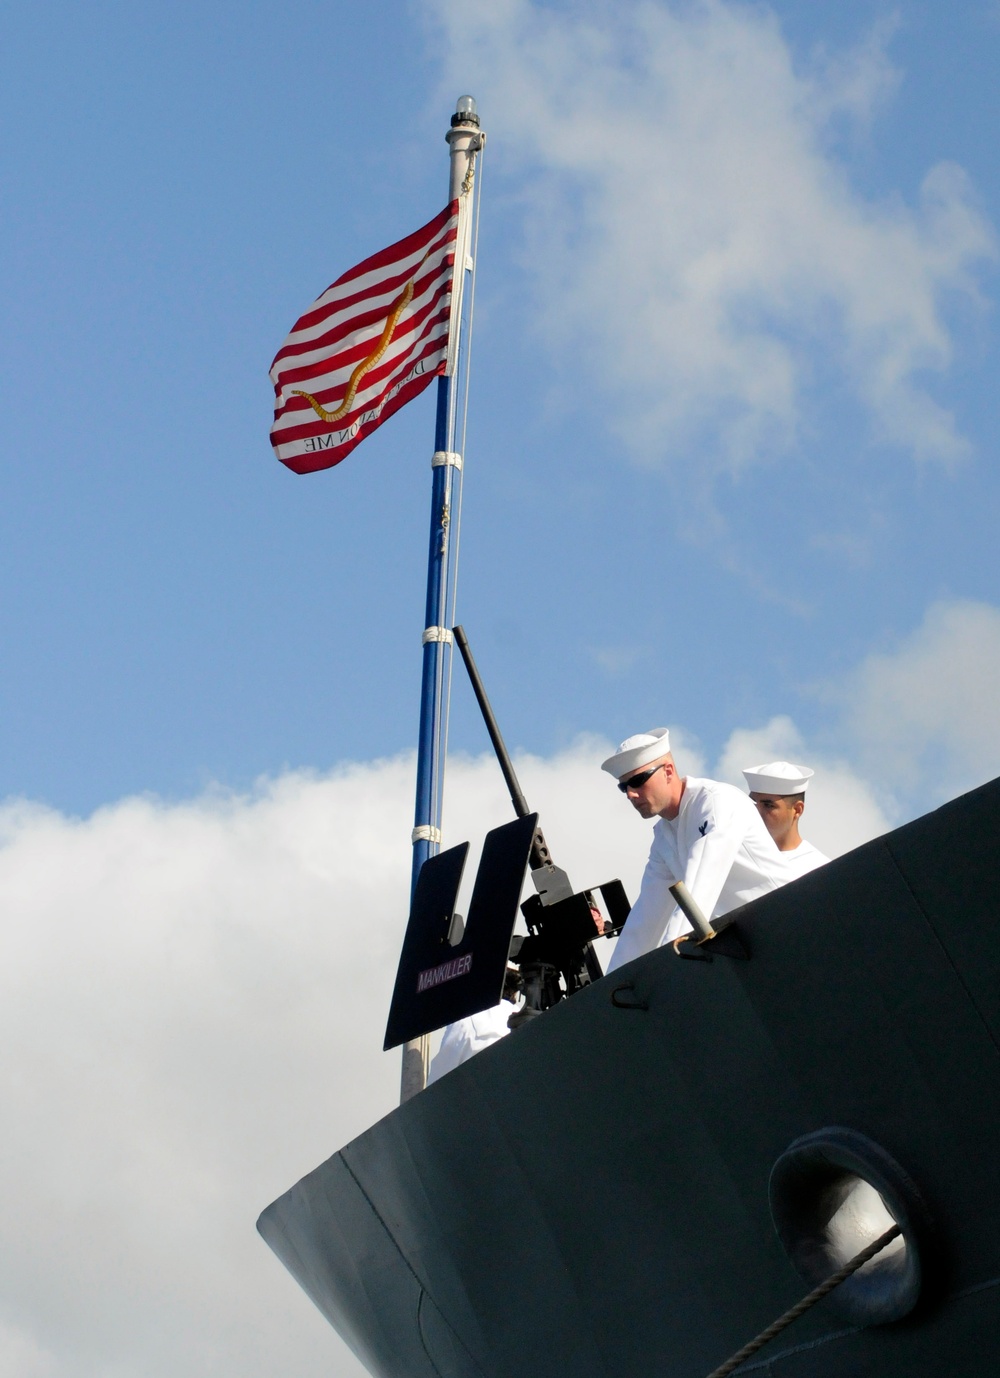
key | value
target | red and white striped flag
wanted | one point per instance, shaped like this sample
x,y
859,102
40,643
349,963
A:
x,y
365,347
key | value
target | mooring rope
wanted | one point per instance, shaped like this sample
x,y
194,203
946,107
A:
x,y
801,1307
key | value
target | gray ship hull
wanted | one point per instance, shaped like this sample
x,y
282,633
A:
x,y
590,1196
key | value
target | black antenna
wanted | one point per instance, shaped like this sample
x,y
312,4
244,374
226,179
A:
x,y
506,764
550,880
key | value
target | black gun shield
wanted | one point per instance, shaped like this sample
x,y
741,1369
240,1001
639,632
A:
x,y
426,939
437,984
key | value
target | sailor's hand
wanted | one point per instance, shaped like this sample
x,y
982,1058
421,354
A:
x,y
600,923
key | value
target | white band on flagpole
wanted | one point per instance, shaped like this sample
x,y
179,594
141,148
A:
x,y
451,457
436,634
425,833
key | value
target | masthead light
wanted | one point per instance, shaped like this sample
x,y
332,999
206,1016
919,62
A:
x,y
465,111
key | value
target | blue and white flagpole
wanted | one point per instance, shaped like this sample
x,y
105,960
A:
x,y
465,139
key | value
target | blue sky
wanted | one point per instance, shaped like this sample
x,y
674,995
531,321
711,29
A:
x,y
177,184
730,467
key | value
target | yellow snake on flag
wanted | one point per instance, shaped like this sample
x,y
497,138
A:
x,y
366,365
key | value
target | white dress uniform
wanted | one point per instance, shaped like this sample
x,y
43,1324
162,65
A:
x,y
469,1036
802,859
719,847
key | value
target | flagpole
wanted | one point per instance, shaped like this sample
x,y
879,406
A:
x,y
465,139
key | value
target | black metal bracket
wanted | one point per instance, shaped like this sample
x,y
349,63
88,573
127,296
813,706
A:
x,y
727,942
627,1004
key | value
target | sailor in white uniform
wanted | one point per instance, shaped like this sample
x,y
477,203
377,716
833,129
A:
x,y
464,1039
779,791
707,834
471,1035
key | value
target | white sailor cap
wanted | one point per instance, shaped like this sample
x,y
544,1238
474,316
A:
x,y
778,777
636,752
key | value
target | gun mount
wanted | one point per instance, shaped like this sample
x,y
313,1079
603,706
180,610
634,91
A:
x,y
557,957
450,968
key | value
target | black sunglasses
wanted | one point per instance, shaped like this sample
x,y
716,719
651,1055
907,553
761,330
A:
x,y
637,781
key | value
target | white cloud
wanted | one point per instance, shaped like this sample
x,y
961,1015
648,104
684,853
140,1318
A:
x,y
192,1002
841,809
915,725
20,1357
922,716
616,661
185,993
697,243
